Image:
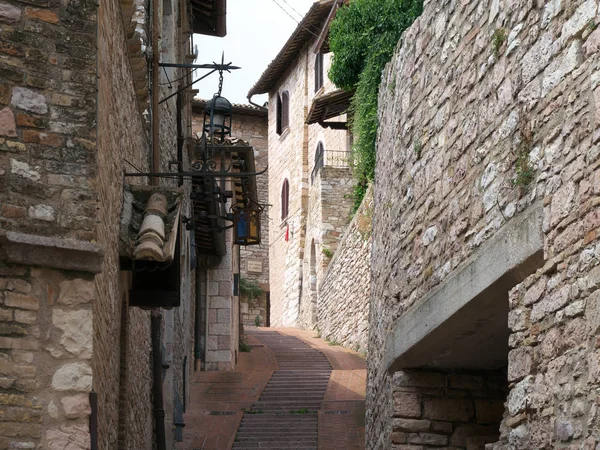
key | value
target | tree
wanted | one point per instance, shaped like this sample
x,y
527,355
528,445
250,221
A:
x,y
362,37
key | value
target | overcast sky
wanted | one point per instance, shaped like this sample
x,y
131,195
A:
x,y
256,31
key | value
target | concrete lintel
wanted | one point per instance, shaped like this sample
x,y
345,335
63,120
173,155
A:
x,y
55,252
476,290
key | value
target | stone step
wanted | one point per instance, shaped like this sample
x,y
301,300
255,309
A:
x,y
275,436
281,445
299,385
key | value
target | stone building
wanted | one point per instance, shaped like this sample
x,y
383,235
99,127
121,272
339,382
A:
x,y
486,259
309,169
249,123
82,364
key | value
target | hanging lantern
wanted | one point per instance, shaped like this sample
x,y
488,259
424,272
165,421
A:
x,y
217,117
246,226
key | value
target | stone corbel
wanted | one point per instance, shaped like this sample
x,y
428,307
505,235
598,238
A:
x,y
55,252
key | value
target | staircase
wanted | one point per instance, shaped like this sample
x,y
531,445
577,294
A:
x,y
285,415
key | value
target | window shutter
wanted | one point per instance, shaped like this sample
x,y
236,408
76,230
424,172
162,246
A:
x,y
285,198
318,71
285,111
278,120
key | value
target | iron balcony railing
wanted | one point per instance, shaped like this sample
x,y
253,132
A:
x,y
330,158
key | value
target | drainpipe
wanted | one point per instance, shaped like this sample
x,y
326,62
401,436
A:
x,y
157,388
206,302
155,121
159,412
200,289
254,104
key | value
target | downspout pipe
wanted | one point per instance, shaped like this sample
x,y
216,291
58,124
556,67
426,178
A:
x,y
156,317
200,286
155,89
159,411
254,104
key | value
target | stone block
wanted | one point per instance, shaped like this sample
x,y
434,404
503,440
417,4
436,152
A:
x,y
219,329
219,303
213,343
73,377
77,329
7,121
520,361
407,404
550,303
449,409
26,317
76,406
411,425
428,439
224,316
463,381
45,213
441,427
212,316
224,342
9,13
12,329
68,436
407,378
29,100
6,315
23,170
398,437
18,343
76,292
218,356
21,301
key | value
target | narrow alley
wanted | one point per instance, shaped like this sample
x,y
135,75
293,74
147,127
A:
x,y
291,391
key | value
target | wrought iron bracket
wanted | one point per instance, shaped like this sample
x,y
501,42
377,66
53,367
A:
x,y
192,175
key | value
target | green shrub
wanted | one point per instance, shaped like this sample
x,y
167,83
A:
x,y
249,289
362,38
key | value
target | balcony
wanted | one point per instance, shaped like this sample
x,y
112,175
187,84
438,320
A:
x,y
330,158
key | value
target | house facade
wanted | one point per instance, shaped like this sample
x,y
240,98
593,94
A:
x,y
309,168
249,123
98,262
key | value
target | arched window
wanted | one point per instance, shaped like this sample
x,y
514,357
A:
x,y
319,158
318,71
285,199
283,112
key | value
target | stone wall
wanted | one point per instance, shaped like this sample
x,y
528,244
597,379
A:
x,y
63,150
345,291
486,108
118,111
47,182
451,410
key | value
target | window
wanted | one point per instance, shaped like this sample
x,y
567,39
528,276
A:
x,y
279,130
283,112
318,71
319,157
285,199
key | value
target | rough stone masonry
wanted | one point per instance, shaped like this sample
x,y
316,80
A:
x,y
488,109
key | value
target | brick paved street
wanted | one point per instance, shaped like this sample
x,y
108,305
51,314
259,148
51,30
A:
x,y
314,393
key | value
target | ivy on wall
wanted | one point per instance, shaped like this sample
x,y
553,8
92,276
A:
x,y
362,37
